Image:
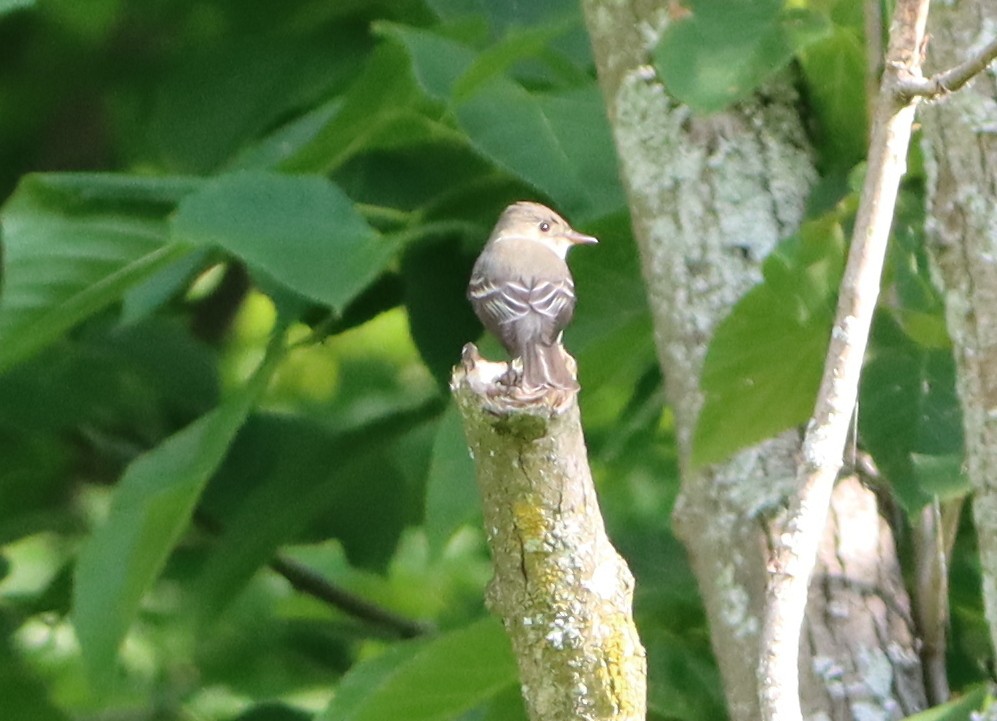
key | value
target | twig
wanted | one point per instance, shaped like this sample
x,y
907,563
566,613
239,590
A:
x,y
308,581
795,550
931,594
872,11
933,539
950,80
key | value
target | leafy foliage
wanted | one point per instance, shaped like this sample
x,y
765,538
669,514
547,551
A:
x,y
834,67
909,418
74,244
966,707
151,508
717,53
428,680
765,360
763,368
301,231
225,341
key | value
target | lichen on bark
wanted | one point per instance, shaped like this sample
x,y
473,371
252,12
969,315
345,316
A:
x,y
960,148
562,591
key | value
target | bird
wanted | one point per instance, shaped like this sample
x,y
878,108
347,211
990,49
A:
x,y
522,291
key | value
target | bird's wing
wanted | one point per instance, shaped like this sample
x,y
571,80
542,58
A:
x,y
511,300
554,299
503,302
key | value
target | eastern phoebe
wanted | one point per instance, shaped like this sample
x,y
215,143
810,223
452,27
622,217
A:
x,y
522,291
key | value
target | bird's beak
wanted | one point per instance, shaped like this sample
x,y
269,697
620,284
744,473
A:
x,y
580,238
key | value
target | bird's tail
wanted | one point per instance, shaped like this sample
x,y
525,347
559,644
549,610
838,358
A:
x,y
546,366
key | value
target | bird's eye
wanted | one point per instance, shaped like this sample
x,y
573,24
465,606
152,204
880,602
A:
x,y
544,226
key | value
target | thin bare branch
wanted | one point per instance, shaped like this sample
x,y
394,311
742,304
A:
x,y
308,581
950,80
872,12
794,554
933,538
931,590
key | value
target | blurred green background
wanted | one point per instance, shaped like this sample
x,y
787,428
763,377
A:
x,y
218,174
236,241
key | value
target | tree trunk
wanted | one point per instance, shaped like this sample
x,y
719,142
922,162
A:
x,y
710,197
858,630
960,144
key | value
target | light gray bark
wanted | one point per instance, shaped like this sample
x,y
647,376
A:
x,y
709,198
859,609
960,144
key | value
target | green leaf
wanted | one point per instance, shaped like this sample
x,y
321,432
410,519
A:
x,y
145,298
764,364
834,69
9,6
720,52
216,97
963,708
384,109
559,143
435,277
180,373
428,680
611,315
300,231
35,481
454,182
74,244
577,118
917,305
91,21
451,491
519,44
547,141
143,378
282,144
366,474
503,14
284,472
910,418
682,679
450,71
941,475
285,475
437,62
506,706
150,509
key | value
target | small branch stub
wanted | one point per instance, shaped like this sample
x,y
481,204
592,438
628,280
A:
x,y
562,591
951,80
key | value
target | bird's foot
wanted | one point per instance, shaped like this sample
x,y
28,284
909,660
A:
x,y
501,383
511,378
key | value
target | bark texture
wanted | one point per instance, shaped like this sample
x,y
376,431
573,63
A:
x,y
960,143
562,591
709,198
858,608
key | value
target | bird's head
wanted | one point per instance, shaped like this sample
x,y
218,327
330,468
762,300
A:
x,y
533,221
